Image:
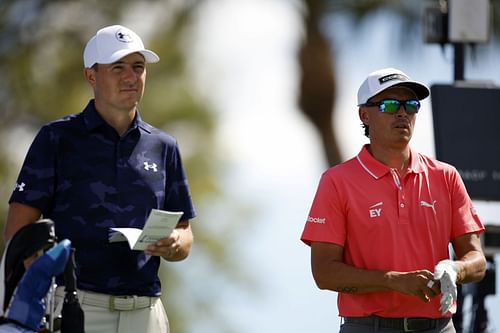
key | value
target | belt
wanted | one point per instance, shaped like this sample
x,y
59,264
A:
x,y
115,303
403,324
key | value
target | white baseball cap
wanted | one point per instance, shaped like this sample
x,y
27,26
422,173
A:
x,y
380,80
113,43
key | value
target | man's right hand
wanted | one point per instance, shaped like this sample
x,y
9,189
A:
x,y
416,283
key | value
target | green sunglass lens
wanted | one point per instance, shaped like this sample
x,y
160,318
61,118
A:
x,y
390,106
393,105
412,106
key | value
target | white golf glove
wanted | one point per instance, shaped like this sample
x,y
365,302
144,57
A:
x,y
446,272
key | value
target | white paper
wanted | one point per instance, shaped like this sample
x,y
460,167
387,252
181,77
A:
x,y
160,224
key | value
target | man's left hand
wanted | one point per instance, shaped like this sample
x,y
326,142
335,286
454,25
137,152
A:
x,y
166,247
446,272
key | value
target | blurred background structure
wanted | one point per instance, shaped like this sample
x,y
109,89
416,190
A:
x,y
261,96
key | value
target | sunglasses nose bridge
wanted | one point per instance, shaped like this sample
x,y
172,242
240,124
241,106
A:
x,y
408,107
401,108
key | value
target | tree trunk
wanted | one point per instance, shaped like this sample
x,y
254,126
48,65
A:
x,y
317,85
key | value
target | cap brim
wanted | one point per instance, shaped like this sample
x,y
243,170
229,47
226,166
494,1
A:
x,y
149,56
420,90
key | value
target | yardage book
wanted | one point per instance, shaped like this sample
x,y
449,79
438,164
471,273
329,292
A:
x,y
160,224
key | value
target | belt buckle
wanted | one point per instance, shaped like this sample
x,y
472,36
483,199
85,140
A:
x,y
405,326
127,306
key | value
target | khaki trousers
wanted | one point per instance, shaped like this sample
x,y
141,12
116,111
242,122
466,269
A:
x,y
100,319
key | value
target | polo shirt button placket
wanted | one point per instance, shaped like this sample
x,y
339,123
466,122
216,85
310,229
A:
x,y
403,213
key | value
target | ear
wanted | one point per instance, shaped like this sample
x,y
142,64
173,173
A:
x,y
364,115
89,74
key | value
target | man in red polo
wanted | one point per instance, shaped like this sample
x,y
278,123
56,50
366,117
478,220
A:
x,y
381,223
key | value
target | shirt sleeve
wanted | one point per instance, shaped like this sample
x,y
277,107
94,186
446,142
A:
x,y
35,183
326,221
177,194
464,216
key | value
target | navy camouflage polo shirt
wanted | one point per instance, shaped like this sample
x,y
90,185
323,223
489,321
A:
x,y
81,174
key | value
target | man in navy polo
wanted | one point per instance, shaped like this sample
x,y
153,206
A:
x,y
106,168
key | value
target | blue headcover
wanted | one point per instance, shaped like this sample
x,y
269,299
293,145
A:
x,y
27,306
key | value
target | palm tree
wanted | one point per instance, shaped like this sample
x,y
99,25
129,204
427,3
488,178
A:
x,y
317,63
317,84
318,81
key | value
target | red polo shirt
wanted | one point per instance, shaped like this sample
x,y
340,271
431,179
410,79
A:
x,y
385,222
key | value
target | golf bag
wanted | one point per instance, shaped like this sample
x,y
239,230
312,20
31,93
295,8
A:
x,y
27,288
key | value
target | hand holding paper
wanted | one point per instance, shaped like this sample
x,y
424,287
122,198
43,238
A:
x,y
160,224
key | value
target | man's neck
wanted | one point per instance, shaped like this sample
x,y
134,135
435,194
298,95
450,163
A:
x,y
120,120
394,157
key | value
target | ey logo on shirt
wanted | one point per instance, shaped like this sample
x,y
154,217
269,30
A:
x,y
376,210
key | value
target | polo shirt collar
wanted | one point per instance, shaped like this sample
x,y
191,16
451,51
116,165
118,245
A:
x,y
377,169
93,120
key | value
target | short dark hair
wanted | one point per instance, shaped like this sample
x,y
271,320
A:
x,y
367,129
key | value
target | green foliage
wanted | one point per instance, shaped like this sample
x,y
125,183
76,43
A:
x,y
41,46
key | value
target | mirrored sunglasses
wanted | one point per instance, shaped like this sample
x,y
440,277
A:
x,y
392,105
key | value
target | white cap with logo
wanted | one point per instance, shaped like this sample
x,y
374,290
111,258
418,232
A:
x,y
382,79
112,43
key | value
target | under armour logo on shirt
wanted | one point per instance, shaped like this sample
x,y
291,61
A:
x,y
19,187
148,167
